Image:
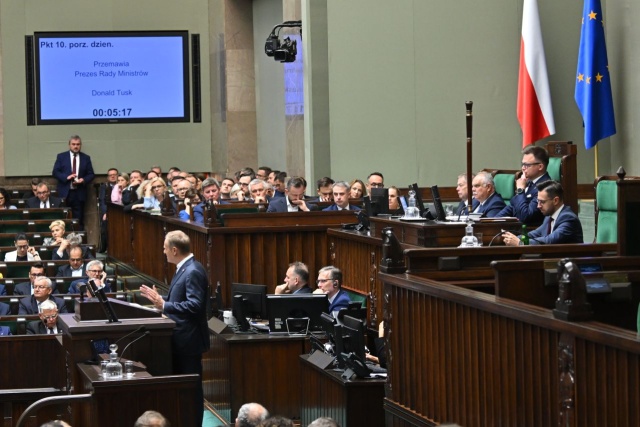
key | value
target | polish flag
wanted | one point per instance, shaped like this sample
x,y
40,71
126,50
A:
x,y
535,112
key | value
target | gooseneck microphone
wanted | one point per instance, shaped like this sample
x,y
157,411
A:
x,y
146,333
140,329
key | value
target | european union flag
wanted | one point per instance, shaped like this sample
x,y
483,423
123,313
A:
x,y
593,82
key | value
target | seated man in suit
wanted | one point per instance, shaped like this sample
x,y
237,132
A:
x,y
5,309
43,200
211,193
485,199
330,283
76,267
95,272
561,224
34,189
26,288
71,241
41,293
524,205
340,195
129,193
258,191
324,187
296,280
463,195
23,251
49,323
294,198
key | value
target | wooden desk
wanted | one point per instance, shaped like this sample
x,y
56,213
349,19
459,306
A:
x,y
351,403
252,368
121,402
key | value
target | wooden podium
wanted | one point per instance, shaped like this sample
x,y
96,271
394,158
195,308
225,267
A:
x,y
154,350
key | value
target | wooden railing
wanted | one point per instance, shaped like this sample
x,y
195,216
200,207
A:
x,y
457,355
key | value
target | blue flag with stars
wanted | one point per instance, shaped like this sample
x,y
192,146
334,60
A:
x,y
593,82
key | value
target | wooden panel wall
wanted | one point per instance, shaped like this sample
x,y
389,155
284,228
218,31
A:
x,y
462,356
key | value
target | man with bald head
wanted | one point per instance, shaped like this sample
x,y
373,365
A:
x,y
251,414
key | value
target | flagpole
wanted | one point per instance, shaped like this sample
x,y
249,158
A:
x,y
595,166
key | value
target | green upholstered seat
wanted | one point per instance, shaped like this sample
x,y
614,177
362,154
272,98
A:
x,y
607,217
357,297
554,168
505,185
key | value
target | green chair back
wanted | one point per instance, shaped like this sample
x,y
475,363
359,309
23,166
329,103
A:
x,y
505,185
554,168
607,202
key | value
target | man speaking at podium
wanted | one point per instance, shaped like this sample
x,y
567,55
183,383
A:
x,y
186,305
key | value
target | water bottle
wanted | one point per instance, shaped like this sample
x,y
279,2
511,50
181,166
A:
x,y
114,367
524,237
469,239
412,210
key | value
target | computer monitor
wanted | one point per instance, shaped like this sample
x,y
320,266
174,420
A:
x,y
437,204
283,307
254,299
350,338
419,202
378,202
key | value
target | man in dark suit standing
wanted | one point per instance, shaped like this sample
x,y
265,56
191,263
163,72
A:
x,y
41,293
74,173
43,199
561,224
49,322
185,304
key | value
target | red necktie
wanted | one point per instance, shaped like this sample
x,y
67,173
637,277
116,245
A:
x,y
550,226
73,166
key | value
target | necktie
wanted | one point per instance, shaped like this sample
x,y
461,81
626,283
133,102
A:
x,y
51,331
73,166
550,226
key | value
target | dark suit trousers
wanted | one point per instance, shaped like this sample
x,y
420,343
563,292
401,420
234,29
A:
x,y
77,207
191,364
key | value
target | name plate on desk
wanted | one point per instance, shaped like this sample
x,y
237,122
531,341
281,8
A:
x,y
92,309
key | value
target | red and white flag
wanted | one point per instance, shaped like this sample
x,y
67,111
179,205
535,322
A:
x,y
535,112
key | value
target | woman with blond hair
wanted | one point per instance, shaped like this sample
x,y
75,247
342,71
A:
x,y
57,228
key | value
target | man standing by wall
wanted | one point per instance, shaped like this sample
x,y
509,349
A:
x,y
74,173
185,304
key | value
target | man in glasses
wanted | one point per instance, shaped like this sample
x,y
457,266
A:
x,y
95,272
26,288
330,283
49,321
42,289
561,224
524,204
76,266
43,198
374,180
23,251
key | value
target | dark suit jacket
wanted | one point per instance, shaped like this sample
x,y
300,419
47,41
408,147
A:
x,y
334,207
303,290
340,301
5,309
65,270
104,196
129,195
525,206
37,327
3,290
34,202
86,254
186,304
461,209
5,330
567,229
74,288
492,206
29,305
280,205
62,169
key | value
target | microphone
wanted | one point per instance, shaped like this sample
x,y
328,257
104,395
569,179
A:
x,y
496,236
140,329
146,333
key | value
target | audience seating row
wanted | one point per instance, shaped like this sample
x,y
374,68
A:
x,y
62,284
20,269
34,214
33,226
45,252
69,301
35,238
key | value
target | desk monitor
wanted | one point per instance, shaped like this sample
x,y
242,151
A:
x,y
378,202
437,204
418,196
254,299
350,338
283,307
